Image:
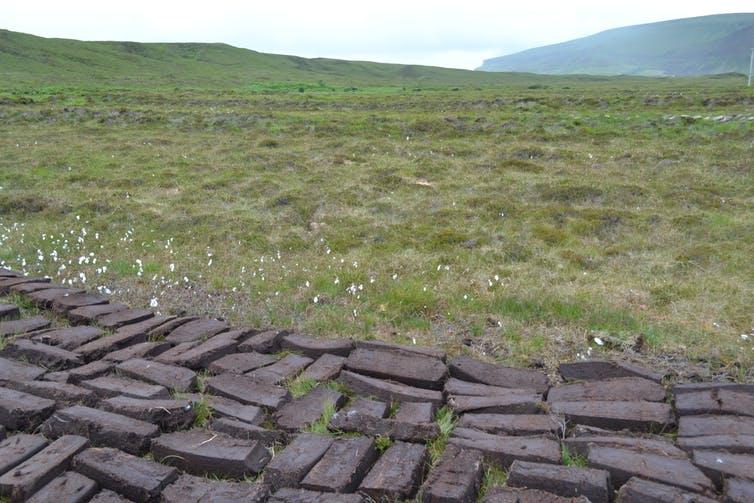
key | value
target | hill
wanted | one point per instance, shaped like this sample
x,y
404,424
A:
x,y
30,59
682,47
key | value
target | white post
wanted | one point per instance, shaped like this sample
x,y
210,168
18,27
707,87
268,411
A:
x,y
751,65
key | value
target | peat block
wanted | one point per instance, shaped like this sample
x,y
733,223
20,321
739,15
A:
x,y
388,391
70,487
18,448
70,337
624,389
196,330
636,416
44,355
562,480
289,467
136,478
202,452
514,402
638,490
503,450
456,477
102,428
169,415
110,386
303,411
172,377
23,411
407,368
34,473
343,466
324,368
471,369
22,326
314,347
240,363
248,391
598,370
191,489
397,474
512,424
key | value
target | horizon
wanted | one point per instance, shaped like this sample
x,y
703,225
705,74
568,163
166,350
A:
x,y
443,41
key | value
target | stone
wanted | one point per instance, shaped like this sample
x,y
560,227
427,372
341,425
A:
x,y
44,355
110,386
416,412
715,401
305,410
515,402
285,369
343,466
503,450
635,416
90,314
289,495
324,368
598,370
562,480
123,317
196,330
248,391
18,448
62,305
289,467
202,355
240,363
407,368
736,491
402,348
624,389
61,393
22,411
455,386
172,377
263,342
202,452
696,426
140,350
512,424
46,298
367,407
169,415
191,489
580,445
388,391
68,338
136,478
637,490
396,476
626,463
70,487
314,347
246,431
225,407
456,477
89,371
11,370
8,311
720,465
102,428
471,369
23,326
734,444
27,478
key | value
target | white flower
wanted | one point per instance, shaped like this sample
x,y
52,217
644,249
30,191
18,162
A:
x,y
744,336
599,341
315,299
153,302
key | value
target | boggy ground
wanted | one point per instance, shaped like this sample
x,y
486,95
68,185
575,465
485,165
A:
x,y
525,224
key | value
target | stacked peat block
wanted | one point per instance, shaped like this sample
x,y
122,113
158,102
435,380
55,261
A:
x,y
105,408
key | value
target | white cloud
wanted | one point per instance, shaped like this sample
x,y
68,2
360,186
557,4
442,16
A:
x,y
454,34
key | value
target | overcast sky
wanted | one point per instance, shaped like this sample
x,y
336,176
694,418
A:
x,y
457,34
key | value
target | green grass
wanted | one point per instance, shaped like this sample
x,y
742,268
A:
x,y
569,459
446,422
510,223
320,426
493,476
300,386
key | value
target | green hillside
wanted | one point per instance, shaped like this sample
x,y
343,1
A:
x,y
683,47
31,59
